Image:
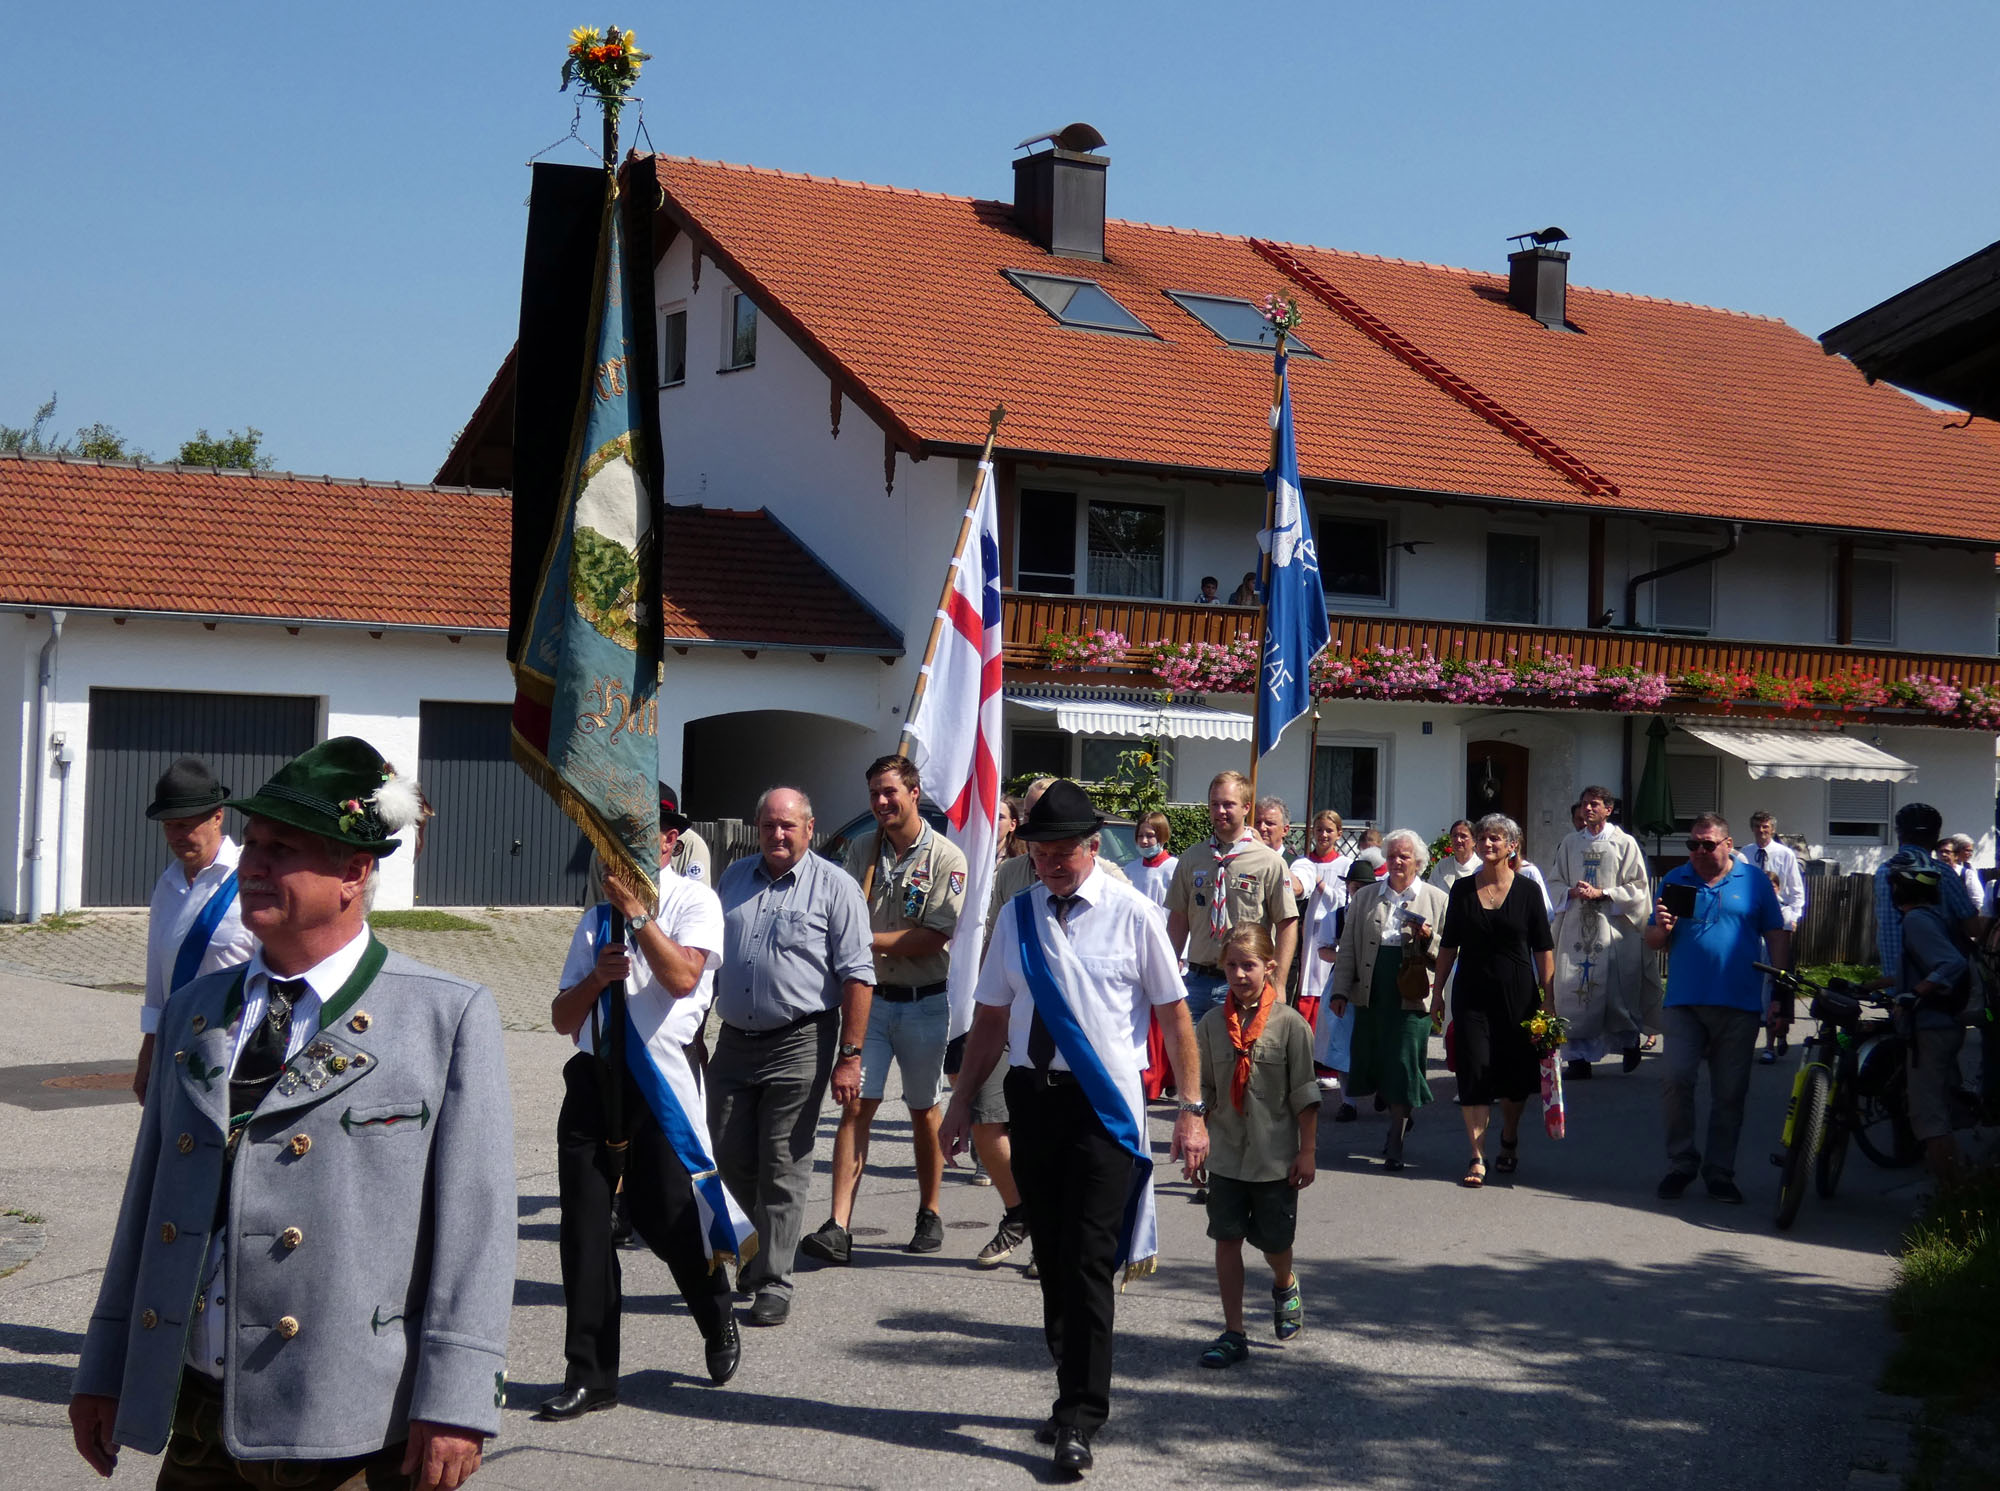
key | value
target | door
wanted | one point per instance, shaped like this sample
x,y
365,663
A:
x,y
1496,779
497,839
135,734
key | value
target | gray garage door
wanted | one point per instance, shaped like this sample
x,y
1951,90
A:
x,y
497,840
135,734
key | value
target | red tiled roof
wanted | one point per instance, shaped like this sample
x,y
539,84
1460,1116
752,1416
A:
x,y
292,548
1682,409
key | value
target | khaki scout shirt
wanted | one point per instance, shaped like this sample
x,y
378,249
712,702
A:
x,y
1259,890
922,888
1261,1142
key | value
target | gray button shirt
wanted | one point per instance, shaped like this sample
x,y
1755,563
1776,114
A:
x,y
789,943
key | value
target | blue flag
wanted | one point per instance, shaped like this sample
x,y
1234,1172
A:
x,y
1295,625
586,710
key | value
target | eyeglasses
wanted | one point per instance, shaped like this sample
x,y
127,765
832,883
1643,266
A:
x,y
1708,844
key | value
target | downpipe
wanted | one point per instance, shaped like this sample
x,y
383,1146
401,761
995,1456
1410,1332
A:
x,y
1693,560
38,771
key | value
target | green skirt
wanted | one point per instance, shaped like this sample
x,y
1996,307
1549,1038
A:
x,y
1389,1041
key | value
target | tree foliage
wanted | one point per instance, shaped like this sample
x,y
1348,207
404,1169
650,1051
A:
x,y
231,450
97,442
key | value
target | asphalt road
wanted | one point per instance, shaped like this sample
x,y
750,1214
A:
x,y
1562,1330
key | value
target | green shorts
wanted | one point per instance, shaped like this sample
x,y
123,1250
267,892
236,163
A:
x,y
1264,1213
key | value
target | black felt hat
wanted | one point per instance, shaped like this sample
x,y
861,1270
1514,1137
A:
x,y
1065,811
187,790
671,815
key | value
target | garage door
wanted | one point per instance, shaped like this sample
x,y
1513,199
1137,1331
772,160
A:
x,y
135,734
497,840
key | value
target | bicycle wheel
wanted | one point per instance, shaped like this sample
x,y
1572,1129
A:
x,y
1808,1129
1832,1152
1882,1125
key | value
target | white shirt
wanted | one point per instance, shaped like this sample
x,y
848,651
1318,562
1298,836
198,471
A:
x,y
1120,939
323,981
689,913
1528,869
1397,902
1151,881
175,905
1780,861
1450,869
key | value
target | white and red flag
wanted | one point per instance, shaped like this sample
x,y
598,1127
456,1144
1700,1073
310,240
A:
x,y
954,730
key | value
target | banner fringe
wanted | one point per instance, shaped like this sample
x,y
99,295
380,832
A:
x,y
578,810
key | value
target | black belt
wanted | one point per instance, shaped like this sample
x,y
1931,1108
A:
x,y
1048,1076
1207,970
907,993
787,1029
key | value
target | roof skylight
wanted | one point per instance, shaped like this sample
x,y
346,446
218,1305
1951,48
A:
x,y
1082,303
1237,322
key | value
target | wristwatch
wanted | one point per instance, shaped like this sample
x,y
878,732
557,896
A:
x,y
637,924
848,1053
1199,1110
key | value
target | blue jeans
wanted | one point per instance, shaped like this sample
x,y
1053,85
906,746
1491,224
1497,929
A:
x,y
913,1035
1204,992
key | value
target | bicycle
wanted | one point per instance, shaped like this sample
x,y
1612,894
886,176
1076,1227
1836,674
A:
x,y
1852,1084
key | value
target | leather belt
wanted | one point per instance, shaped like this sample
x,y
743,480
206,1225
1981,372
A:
x,y
1207,970
1044,1076
907,993
764,1035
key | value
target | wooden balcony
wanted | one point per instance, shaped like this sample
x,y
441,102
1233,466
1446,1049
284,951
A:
x,y
1029,618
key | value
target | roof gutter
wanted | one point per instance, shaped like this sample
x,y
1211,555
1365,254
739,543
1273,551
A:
x,y
214,618
1692,561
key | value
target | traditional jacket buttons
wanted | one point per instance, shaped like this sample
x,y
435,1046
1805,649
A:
x,y
301,1143
149,1319
359,1023
181,1057
169,1232
287,1327
291,1237
185,1144
198,1024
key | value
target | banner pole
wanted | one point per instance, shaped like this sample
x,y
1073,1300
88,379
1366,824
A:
x,y
1264,575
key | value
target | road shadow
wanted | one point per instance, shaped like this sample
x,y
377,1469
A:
x,y
37,1382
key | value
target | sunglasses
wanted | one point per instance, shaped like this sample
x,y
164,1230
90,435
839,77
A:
x,y
1708,844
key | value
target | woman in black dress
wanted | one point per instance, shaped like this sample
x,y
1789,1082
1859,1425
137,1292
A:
x,y
1496,935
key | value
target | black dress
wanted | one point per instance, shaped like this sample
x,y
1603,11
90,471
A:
x,y
1493,990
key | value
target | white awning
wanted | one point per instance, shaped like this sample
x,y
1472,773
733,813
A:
x,y
1113,717
1800,753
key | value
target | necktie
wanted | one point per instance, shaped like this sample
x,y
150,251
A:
x,y
1041,1042
1760,856
263,1055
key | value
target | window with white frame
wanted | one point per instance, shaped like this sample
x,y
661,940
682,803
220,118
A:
x,y
1874,600
1347,777
1068,545
1354,559
1684,601
1042,753
1859,812
740,326
1696,784
673,346
1514,578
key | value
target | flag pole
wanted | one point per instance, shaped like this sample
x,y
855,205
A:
x,y
1264,575
950,574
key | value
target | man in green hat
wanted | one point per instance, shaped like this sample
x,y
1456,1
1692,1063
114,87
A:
x,y
314,1262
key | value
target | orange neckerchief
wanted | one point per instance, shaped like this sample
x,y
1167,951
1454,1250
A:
x,y
1243,1038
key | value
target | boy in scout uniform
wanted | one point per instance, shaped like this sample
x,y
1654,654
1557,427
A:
x,y
1232,879
914,880
314,1260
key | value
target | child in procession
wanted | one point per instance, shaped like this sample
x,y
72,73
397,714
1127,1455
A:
x,y
1154,870
1263,1122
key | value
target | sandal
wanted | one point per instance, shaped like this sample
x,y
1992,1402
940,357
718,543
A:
x,y
1509,1158
1288,1311
1226,1350
1475,1174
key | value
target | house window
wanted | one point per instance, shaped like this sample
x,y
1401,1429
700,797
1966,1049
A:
x,y
1123,544
1696,785
673,346
742,349
1513,577
1237,322
1079,303
1041,753
1354,558
1347,778
1859,812
1100,755
1683,602
1874,601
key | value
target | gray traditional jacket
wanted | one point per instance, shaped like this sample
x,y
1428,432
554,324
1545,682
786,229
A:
x,y
371,1227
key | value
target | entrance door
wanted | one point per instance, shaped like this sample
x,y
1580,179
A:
x,y
1496,779
497,839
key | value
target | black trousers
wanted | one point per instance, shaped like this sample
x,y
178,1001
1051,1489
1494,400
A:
x,y
662,1203
1074,1183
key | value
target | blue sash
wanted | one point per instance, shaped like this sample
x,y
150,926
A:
x,y
194,946
1110,1104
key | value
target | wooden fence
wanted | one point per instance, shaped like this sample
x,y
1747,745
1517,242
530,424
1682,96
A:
x,y
1839,924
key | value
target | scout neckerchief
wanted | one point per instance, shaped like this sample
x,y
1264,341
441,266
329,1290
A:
x,y
666,1080
1218,903
194,946
1242,1037
330,1010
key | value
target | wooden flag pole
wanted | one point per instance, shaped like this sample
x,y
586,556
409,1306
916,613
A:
x,y
1264,577
950,577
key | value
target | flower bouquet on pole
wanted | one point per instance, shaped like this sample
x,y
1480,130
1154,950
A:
x,y
1548,1031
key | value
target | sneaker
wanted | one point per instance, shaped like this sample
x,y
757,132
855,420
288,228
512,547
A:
x,y
1346,1113
979,1177
833,1243
1674,1184
1012,1235
1724,1190
929,1236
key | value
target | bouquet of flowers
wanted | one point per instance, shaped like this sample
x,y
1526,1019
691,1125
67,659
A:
x,y
1547,1030
606,63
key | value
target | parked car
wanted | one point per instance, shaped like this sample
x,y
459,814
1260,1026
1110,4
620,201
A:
x,y
1117,842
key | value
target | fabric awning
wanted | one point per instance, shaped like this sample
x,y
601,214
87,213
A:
x,y
1799,753
1114,717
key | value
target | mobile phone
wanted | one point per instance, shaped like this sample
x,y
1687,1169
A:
x,y
1679,899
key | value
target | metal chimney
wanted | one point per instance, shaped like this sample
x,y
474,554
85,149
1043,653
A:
x,y
1059,192
1538,277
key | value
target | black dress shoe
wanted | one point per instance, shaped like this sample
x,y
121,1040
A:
x,y
1631,1062
725,1352
1345,1113
770,1308
1673,1185
1046,1434
1072,1455
575,1402
621,1221
832,1243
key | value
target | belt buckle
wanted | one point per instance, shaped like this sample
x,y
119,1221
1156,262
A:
x,y
1049,1074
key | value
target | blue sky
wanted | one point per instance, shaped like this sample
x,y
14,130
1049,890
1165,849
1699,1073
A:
x,y
309,218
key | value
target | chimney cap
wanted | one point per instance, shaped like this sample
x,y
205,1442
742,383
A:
x,y
1079,137
1541,238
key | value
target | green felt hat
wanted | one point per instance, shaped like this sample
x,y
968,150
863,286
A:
x,y
342,790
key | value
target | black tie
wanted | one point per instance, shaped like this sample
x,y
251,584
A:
x,y
263,1055
1760,856
1041,1043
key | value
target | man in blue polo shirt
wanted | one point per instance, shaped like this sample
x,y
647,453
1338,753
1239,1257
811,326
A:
x,y
1715,998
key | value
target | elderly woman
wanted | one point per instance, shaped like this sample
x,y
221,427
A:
x,y
1383,968
1496,937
